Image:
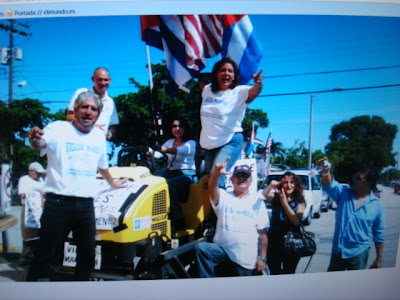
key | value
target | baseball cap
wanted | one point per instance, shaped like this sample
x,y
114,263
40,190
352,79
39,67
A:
x,y
245,169
35,166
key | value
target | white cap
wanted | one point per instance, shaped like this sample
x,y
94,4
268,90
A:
x,y
35,166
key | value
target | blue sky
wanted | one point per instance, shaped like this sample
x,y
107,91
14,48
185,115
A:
x,y
62,53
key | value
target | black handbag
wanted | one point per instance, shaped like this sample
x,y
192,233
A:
x,y
299,243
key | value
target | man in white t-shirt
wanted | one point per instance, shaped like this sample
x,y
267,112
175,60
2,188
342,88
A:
x,y
75,152
242,219
108,119
27,184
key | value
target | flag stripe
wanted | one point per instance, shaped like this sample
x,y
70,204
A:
x,y
188,40
194,43
240,45
212,34
203,39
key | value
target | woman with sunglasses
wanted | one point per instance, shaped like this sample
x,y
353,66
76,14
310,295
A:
x,y
288,206
181,171
222,111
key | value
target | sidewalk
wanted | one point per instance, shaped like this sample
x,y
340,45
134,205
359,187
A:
x,y
9,270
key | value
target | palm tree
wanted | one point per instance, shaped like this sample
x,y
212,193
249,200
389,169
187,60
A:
x,y
277,152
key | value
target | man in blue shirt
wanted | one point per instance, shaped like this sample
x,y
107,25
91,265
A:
x,y
359,214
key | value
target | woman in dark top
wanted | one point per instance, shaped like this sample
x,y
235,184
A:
x,y
288,206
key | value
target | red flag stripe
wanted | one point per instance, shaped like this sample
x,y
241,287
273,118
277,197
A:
x,y
147,22
193,37
212,27
229,20
203,35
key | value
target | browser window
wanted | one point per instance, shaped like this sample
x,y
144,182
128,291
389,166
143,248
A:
x,y
342,57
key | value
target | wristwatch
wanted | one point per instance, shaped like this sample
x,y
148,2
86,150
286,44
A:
x,y
262,258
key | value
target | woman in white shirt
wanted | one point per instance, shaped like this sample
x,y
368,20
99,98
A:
x,y
181,171
222,111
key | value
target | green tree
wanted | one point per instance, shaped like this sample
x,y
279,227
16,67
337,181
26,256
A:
x,y
318,154
16,120
257,116
389,176
296,156
277,152
137,111
361,140
61,114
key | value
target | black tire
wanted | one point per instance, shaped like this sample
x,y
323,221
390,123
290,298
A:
x,y
307,221
318,213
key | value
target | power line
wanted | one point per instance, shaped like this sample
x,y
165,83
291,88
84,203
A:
x,y
73,90
302,93
331,72
332,90
268,95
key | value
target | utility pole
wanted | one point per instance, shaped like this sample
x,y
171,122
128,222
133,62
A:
x,y
12,53
8,59
11,63
310,132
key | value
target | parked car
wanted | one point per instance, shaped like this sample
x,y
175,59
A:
x,y
312,191
326,202
397,187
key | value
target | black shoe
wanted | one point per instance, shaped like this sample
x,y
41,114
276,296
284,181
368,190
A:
x,y
23,262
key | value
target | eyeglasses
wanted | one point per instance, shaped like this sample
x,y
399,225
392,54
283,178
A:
x,y
177,126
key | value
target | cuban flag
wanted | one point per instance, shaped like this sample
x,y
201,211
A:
x,y
240,44
188,40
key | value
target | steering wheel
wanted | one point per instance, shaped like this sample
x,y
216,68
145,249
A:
x,y
160,159
138,155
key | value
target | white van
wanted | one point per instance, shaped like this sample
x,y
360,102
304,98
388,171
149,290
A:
x,y
312,191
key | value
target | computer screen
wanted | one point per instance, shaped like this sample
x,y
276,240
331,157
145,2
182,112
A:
x,y
340,58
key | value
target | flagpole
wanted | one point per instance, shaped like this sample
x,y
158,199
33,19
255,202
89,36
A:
x,y
149,68
153,113
267,158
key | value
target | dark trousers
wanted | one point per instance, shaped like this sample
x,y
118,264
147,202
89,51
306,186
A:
x,y
62,215
179,186
278,261
358,262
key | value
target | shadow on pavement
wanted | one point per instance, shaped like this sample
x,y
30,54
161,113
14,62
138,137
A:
x,y
9,269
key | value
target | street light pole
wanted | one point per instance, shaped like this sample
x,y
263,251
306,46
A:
x,y
310,132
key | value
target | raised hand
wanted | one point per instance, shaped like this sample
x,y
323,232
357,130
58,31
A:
x,y
220,168
257,78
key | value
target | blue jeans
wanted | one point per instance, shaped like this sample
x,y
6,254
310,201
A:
x,y
209,255
232,149
358,262
62,215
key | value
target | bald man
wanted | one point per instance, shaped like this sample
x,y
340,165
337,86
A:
x,y
108,118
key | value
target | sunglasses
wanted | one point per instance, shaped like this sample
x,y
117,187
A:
x,y
177,126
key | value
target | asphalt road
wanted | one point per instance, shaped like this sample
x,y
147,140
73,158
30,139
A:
x,y
322,227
